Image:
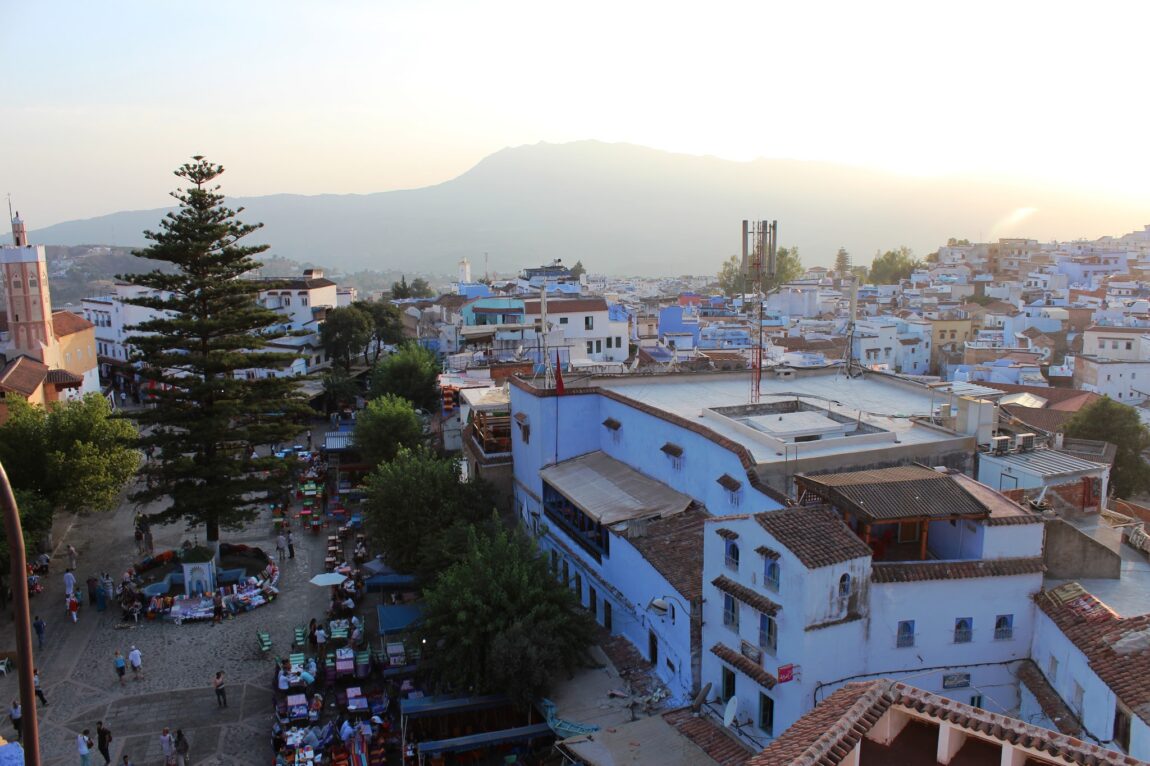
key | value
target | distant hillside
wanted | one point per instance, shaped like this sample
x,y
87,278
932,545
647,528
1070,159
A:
x,y
625,209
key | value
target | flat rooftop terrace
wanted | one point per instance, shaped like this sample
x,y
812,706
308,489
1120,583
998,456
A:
x,y
883,403
1128,595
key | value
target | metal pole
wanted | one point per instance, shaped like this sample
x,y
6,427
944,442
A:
x,y
29,728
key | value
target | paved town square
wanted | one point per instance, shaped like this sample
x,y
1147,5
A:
x,y
76,664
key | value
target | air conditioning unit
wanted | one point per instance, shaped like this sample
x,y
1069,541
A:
x,y
1025,442
1000,445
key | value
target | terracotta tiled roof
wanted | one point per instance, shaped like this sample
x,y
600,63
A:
x,y
1056,710
817,536
745,665
727,534
766,552
827,734
1044,419
748,596
904,492
1052,395
63,378
66,323
919,571
674,546
566,306
716,741
23,375
1117,648
729,483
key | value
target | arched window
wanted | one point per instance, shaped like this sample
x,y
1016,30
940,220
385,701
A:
x,y
16,282
771,575
732,555
845,586
963,630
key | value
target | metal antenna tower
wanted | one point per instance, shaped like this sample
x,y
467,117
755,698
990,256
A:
x,y
760,243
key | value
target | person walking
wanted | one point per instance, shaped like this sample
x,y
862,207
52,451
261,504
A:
x,y
168,746
182,748
39,626
84,748
121,666
320,639
72,556
281,547
14,715
74,607
36,684
103,741
137,662
290,545
221,689
69,582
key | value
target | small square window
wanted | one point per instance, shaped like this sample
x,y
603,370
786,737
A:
x,y
588,323
563,320
728,683
768,633
1052,669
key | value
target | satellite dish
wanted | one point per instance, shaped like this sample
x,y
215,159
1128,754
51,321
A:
x,y
731,711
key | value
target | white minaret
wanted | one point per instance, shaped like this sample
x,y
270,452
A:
x,y
464,271
25,270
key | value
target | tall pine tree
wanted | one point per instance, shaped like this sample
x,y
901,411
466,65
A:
x,y
207,330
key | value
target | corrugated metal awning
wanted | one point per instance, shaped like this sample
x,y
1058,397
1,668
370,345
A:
x,y
610,491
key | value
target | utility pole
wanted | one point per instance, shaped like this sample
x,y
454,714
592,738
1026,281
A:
x,y
29,727
760,243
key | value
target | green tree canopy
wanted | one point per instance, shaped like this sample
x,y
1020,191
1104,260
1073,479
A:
x,y
340,389
498,621
35,523
893,265
207,330
730,277
417,288
1119,424
578,269
842,262
73,454
417,507
385,426
345,332
386,327
788,267
411,372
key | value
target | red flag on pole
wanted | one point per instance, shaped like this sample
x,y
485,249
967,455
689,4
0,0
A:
x,y
558,376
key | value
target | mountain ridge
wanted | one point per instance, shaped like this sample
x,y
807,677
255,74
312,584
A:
x,y
628,209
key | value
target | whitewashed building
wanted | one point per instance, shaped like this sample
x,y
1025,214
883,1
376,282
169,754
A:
x,y
902,572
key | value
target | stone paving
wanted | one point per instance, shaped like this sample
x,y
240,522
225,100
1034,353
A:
x,y
80,683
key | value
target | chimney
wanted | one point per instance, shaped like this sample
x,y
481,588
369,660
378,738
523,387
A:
x,y
313,273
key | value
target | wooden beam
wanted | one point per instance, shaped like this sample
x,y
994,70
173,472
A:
x,y
924,529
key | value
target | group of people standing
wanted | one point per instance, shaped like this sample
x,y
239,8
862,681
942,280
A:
x,y
175,747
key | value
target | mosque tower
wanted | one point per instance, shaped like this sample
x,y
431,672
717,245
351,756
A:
x,y
25,271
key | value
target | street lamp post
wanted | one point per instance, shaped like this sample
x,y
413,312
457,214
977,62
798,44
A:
x,y
29,728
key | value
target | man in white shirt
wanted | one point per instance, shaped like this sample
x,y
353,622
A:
x,y
69,582
84,748
136,660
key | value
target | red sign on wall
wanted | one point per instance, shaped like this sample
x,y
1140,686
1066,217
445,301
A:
x,y
786,673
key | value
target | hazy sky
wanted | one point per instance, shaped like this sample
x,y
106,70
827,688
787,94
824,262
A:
x,y
102,100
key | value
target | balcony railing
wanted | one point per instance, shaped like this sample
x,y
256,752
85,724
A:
x,y
1003,634
904,640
